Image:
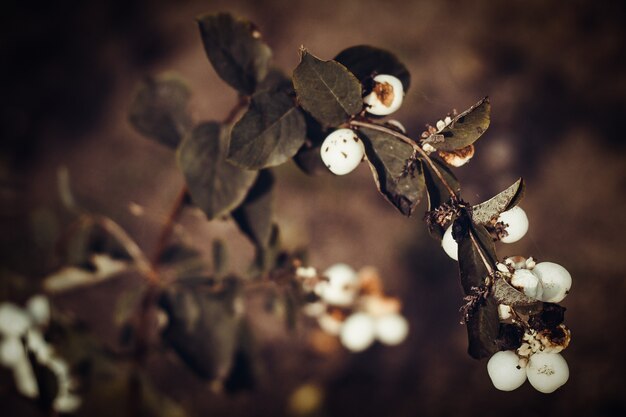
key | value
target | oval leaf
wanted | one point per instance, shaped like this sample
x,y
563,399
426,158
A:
x,y
269,133
159,110
254,216
202,328
398,174
483,327
364,61
235,49
215,185
327,90
465,128
507,199
475,248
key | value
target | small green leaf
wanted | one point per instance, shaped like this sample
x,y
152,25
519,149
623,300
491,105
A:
x,y
203,327
254,215
276,80
327,90
236,50
159,109
185,261
507,199
269,133
465,128
364,61
215,185
398,174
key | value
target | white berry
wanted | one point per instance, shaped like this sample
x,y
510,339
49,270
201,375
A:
x,y
39,308
341,287
11,351
342,151
13,320
505,371
527,282
555,279
547,371
357,333
386,96
391,329
396,125
449,245
517,222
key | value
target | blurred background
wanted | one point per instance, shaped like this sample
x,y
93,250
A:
x,y
555,74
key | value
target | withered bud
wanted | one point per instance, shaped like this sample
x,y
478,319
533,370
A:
x,y
458,157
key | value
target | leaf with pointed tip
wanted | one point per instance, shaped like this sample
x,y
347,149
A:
x,y
483,327
477,252
159,109
236,51
254,215
215,185
327,90
465,128
398,175
269,133
203,327
364,61
507,199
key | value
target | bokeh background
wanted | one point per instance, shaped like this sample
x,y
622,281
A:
x,y
555,74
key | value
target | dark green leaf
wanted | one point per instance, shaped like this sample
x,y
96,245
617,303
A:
x,y
215,185
504,293
327,90
308,157
437,193
159,110
398,175
185,260
364,61
235,49
276,80
203,327
254,215
465,128
269,133
476,252
507,199
266,257
482,330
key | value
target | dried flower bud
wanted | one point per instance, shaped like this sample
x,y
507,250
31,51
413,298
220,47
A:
x,y
458,157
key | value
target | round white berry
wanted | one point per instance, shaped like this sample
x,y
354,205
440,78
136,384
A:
x,y
386,96
505,372
358,332
555,279
517,222
329,324
39,308
11,351
341,287
527,282
13,320
342,151
449,245
547,371
391,329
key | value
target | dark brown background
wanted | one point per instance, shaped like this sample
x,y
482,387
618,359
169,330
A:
x,y
555,75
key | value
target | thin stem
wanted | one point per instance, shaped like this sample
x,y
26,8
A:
x,y
415,147
482,255
168,226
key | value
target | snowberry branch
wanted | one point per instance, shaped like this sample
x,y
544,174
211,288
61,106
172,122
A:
x,y
415,147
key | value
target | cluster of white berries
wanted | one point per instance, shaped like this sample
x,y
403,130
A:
x,y
342,151
538,358
20,334
516,226
545,281
352,306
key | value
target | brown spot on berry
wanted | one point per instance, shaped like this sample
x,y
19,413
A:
x,y
384,92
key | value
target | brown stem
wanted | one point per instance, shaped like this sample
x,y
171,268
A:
x,y
415,147
481,253
168,226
